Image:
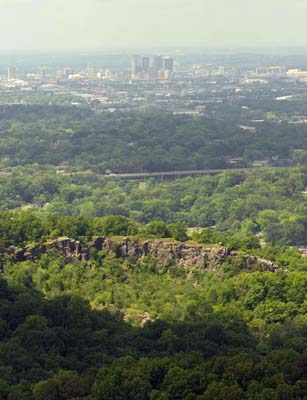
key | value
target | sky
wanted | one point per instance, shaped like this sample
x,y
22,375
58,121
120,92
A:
x,y
75,24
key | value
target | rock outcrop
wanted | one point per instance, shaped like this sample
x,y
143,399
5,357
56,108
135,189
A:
x,y
166,253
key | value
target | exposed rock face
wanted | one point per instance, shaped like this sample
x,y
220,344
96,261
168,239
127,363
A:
x,y
166,253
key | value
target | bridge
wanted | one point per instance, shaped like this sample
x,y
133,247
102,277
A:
x,y
178,174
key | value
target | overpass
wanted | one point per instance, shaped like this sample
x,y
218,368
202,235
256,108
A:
x,y
178,174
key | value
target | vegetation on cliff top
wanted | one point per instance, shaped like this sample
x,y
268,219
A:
x,y
112,328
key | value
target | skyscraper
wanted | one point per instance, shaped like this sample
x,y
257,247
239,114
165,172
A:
x,y
134,67
168,64
91,74
42,73
11,72
157,62
154,67
221,71
145,64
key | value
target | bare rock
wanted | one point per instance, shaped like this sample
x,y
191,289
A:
x,y
166,253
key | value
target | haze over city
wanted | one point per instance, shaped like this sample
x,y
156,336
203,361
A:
x,y
59,24
153,200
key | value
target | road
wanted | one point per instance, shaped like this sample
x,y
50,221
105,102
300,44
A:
x,y
174,174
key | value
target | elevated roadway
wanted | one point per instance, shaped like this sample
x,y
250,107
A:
x,y
178,174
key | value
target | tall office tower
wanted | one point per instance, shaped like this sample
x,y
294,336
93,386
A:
x,y
59,74
42,73
145,64
221,70
145,68
11,72
168,64
91,74
168,68
134,67
156,64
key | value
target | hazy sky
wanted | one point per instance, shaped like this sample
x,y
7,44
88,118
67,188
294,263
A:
x,y
36,24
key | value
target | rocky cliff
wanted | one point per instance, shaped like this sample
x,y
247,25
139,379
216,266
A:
x,y
166,253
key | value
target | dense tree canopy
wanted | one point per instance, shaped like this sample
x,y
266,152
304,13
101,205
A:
x,y
127,329
126,142
131,329
270,203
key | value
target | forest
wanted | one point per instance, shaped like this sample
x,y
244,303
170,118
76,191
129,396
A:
x,y
114,328
270,203
83,139
111,328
